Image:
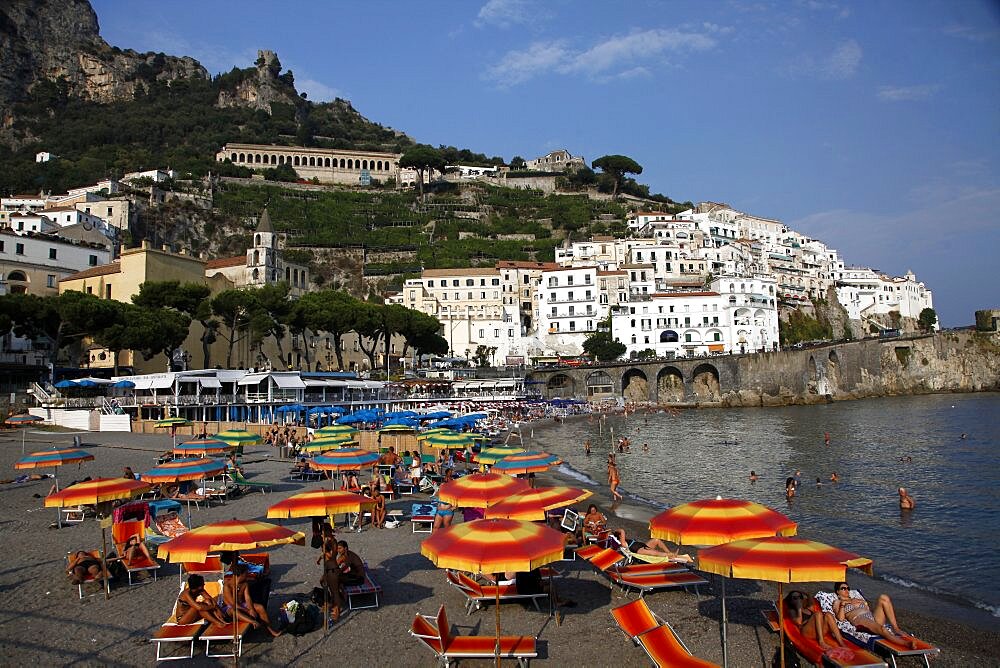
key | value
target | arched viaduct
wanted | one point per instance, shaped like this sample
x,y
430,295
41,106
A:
x,y
812,375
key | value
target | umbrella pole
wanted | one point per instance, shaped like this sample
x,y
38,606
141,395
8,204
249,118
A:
x,y
23,432
725,641
104,563
236,607
55,477
781,626
498,625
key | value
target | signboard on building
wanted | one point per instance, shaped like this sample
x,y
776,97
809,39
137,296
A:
x,y
515,361
366,178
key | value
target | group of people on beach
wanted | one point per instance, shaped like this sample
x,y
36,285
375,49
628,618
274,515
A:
x,y
848,605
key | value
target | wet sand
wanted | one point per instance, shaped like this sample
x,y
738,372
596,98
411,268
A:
x,y
43,621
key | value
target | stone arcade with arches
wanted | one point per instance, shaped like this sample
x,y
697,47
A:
x,y
327,165
813,375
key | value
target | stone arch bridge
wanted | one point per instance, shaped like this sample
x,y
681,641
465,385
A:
x,y
811,375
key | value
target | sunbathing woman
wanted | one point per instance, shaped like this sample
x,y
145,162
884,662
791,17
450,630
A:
x,y
83,566
134,548
194,603
880,621
809,621
655,547
595,523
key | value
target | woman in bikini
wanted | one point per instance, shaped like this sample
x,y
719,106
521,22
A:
x,y
83,566
194,603
443,515
809,621
881,620
613,478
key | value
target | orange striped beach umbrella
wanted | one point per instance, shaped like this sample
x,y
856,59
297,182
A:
x,y
202,447
493,546
780,559
99,490
533,504
526,462
228,536
317,503
480,490
717,521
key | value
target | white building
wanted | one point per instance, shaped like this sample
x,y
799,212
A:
x,y
865,293
569,309
472,171
557,161
22,223
35,263
737,315
155,175
19,204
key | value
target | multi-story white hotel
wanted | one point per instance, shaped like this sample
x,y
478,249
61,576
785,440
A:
x,y
569,308
736,315
866,293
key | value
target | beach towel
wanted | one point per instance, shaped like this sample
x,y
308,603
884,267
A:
x,y
171,525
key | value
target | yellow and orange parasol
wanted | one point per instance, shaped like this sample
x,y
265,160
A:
x,y
533,504
318,503
480,490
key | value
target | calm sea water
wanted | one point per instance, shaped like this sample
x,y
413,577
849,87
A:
x,y
947,545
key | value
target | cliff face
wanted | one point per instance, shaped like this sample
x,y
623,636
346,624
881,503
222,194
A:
x,y
262,90
53,39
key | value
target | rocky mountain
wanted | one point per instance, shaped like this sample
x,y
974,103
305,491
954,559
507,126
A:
x,y
59,40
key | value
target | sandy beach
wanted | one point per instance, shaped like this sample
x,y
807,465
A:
x,y
43,621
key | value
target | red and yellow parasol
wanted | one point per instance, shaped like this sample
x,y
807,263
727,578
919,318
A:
x,y
494,546
202,447
526,462
717,521
533,504
99,490
782,560
480,490
227,536
318,503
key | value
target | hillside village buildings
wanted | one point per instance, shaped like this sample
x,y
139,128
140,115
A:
x,y
710,280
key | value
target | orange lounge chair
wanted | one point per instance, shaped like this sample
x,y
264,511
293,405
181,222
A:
x,y
104,578
655,581
657,637
809,649
476,594
588,551
211,566
644,577
224,633
611,559
120,533
635,618
667,651
437,637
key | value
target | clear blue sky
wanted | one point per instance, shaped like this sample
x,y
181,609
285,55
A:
x,y
873,126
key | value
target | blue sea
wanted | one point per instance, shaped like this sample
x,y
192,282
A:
x,y
947,546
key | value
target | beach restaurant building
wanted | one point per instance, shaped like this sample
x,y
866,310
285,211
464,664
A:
x,y
259,396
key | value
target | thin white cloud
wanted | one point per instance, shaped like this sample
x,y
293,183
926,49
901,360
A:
x,y
620,56
840,64
519,66
906,93
971,33
507,13
843,63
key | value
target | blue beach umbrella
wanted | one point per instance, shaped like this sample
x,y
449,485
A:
x,y
124,384
63,384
